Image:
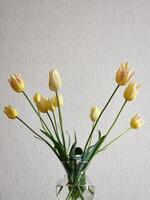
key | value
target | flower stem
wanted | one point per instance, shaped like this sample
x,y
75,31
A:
x,y
54,128
100,117
36,111
39,137
51,121
60,121
116,118
104,147
91,136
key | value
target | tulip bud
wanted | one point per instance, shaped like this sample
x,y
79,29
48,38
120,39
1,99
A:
x,y
17,83
52,107
60,99
124,74
55,82
131,91
94,114
44,104
11,112
136,122
37,97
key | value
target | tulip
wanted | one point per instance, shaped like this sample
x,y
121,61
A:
x,y
37,97
94,114
44,104
55,82
60,100
136,122
11,112
124,74
131,91
17,83
52,107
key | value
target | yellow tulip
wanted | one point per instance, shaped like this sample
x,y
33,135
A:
x,y
94,114
124,74
37,97
131,91
136,122
11,112
52,107
17,83
55,82
44,104
60,99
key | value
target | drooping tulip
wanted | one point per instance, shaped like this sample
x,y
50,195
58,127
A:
x,y
55,81
124,74
136,122
17,83
11,112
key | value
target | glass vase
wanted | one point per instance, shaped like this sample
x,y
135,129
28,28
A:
x,y
75,185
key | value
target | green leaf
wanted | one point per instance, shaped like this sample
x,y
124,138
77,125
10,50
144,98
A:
x,y
58,146
91,151
69,141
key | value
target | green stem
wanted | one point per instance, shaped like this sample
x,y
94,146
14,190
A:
x,y
36,111
56,127
60,121
55,121
70,193
80,193
114,121
51,121
91,136
39,137
100,116
104,147
116,118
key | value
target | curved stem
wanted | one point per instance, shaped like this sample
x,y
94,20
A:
x,y
36,111
116,118
90,140
54,128
55,121
104,147
39,137
100,116
60,121
51,121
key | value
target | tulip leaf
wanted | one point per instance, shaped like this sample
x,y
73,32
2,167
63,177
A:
x,y
58,146
91,151
69,141
73,147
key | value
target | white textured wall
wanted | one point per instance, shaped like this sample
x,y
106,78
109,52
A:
x,y
86,40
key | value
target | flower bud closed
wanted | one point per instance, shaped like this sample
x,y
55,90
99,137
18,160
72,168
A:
x,y
55,82
136,122
60,100
124,74
37,97
11,112
17,83
94,114
44,104
131,91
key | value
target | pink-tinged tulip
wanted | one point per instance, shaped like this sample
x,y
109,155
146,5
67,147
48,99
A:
x,y
124,74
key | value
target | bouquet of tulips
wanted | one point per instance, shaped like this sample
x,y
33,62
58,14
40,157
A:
x,y
74,159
